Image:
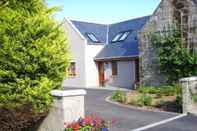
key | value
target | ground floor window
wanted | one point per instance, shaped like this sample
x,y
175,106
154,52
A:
x,y
72,69
114,68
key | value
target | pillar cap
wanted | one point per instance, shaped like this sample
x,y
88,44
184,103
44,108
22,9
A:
x,y
193,78
66,93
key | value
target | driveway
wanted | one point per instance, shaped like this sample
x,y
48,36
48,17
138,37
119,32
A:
x,y
127,118
187,123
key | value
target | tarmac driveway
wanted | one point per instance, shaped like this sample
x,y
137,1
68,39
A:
x,y
127,118
187,123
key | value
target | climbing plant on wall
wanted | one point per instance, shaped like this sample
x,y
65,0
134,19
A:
x,y
175,61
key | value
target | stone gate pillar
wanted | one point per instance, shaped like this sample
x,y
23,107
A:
x,y
189,92
68,106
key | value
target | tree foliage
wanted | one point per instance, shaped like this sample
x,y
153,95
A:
x,y
175,61
33,54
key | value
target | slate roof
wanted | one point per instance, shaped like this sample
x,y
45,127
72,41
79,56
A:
x,y
99,30
127,48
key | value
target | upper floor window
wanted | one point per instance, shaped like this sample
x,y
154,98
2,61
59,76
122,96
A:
x,y
92,37
121,36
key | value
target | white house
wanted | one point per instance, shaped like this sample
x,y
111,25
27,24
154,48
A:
x,y
103,55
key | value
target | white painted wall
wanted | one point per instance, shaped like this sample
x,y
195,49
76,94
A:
x,y
77,49
125,77
92,77
83,54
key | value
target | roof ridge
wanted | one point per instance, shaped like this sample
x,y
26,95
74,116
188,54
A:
x,y
132,19
89,22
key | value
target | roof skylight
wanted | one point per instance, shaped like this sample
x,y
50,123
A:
x,y
124,36
121,36
92,37
117,37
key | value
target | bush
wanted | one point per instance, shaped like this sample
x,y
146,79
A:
x,y
144,100
167,90
119,96
148,89
33,55
161,90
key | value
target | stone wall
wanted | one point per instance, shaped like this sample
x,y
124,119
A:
x,y
162,18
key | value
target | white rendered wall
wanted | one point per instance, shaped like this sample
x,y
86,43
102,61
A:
x,y
77,50
92,78
125,77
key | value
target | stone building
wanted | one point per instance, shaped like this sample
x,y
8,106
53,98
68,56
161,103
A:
x,y
183,14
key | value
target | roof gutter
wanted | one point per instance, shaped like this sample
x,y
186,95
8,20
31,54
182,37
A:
x,y
126,58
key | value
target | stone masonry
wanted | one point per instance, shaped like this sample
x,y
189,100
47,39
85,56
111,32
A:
x,y
189,87
183,14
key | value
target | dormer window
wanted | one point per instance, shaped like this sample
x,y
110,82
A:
x,y
92,37
121,36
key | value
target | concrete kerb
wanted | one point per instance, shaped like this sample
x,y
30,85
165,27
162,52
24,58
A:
x,y
99,88
107,99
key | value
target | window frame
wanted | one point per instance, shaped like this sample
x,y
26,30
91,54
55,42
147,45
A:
x,y
89,37
125,37
117,36
114,68
71,70
121,35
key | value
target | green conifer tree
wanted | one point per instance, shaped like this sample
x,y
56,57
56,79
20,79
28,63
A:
x,y
33,54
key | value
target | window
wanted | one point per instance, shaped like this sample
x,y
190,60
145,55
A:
x,y
114,68
121,36
72,69
92,37
124,36
117,37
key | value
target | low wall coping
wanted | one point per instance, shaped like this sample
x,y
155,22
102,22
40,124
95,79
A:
x,y
194,78
66,93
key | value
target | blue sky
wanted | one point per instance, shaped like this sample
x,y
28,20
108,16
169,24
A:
x,y
103,11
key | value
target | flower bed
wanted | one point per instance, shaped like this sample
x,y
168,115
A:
x,y
89,123
164,98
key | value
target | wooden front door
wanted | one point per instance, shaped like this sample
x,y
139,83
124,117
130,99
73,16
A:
x,y
101,73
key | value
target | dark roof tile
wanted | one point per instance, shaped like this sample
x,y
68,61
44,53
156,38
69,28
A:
x,y
99,30
126,48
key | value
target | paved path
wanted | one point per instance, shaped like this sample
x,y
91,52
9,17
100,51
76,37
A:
x,y
127,118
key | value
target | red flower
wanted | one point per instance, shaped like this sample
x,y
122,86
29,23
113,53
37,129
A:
x,y
88,120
